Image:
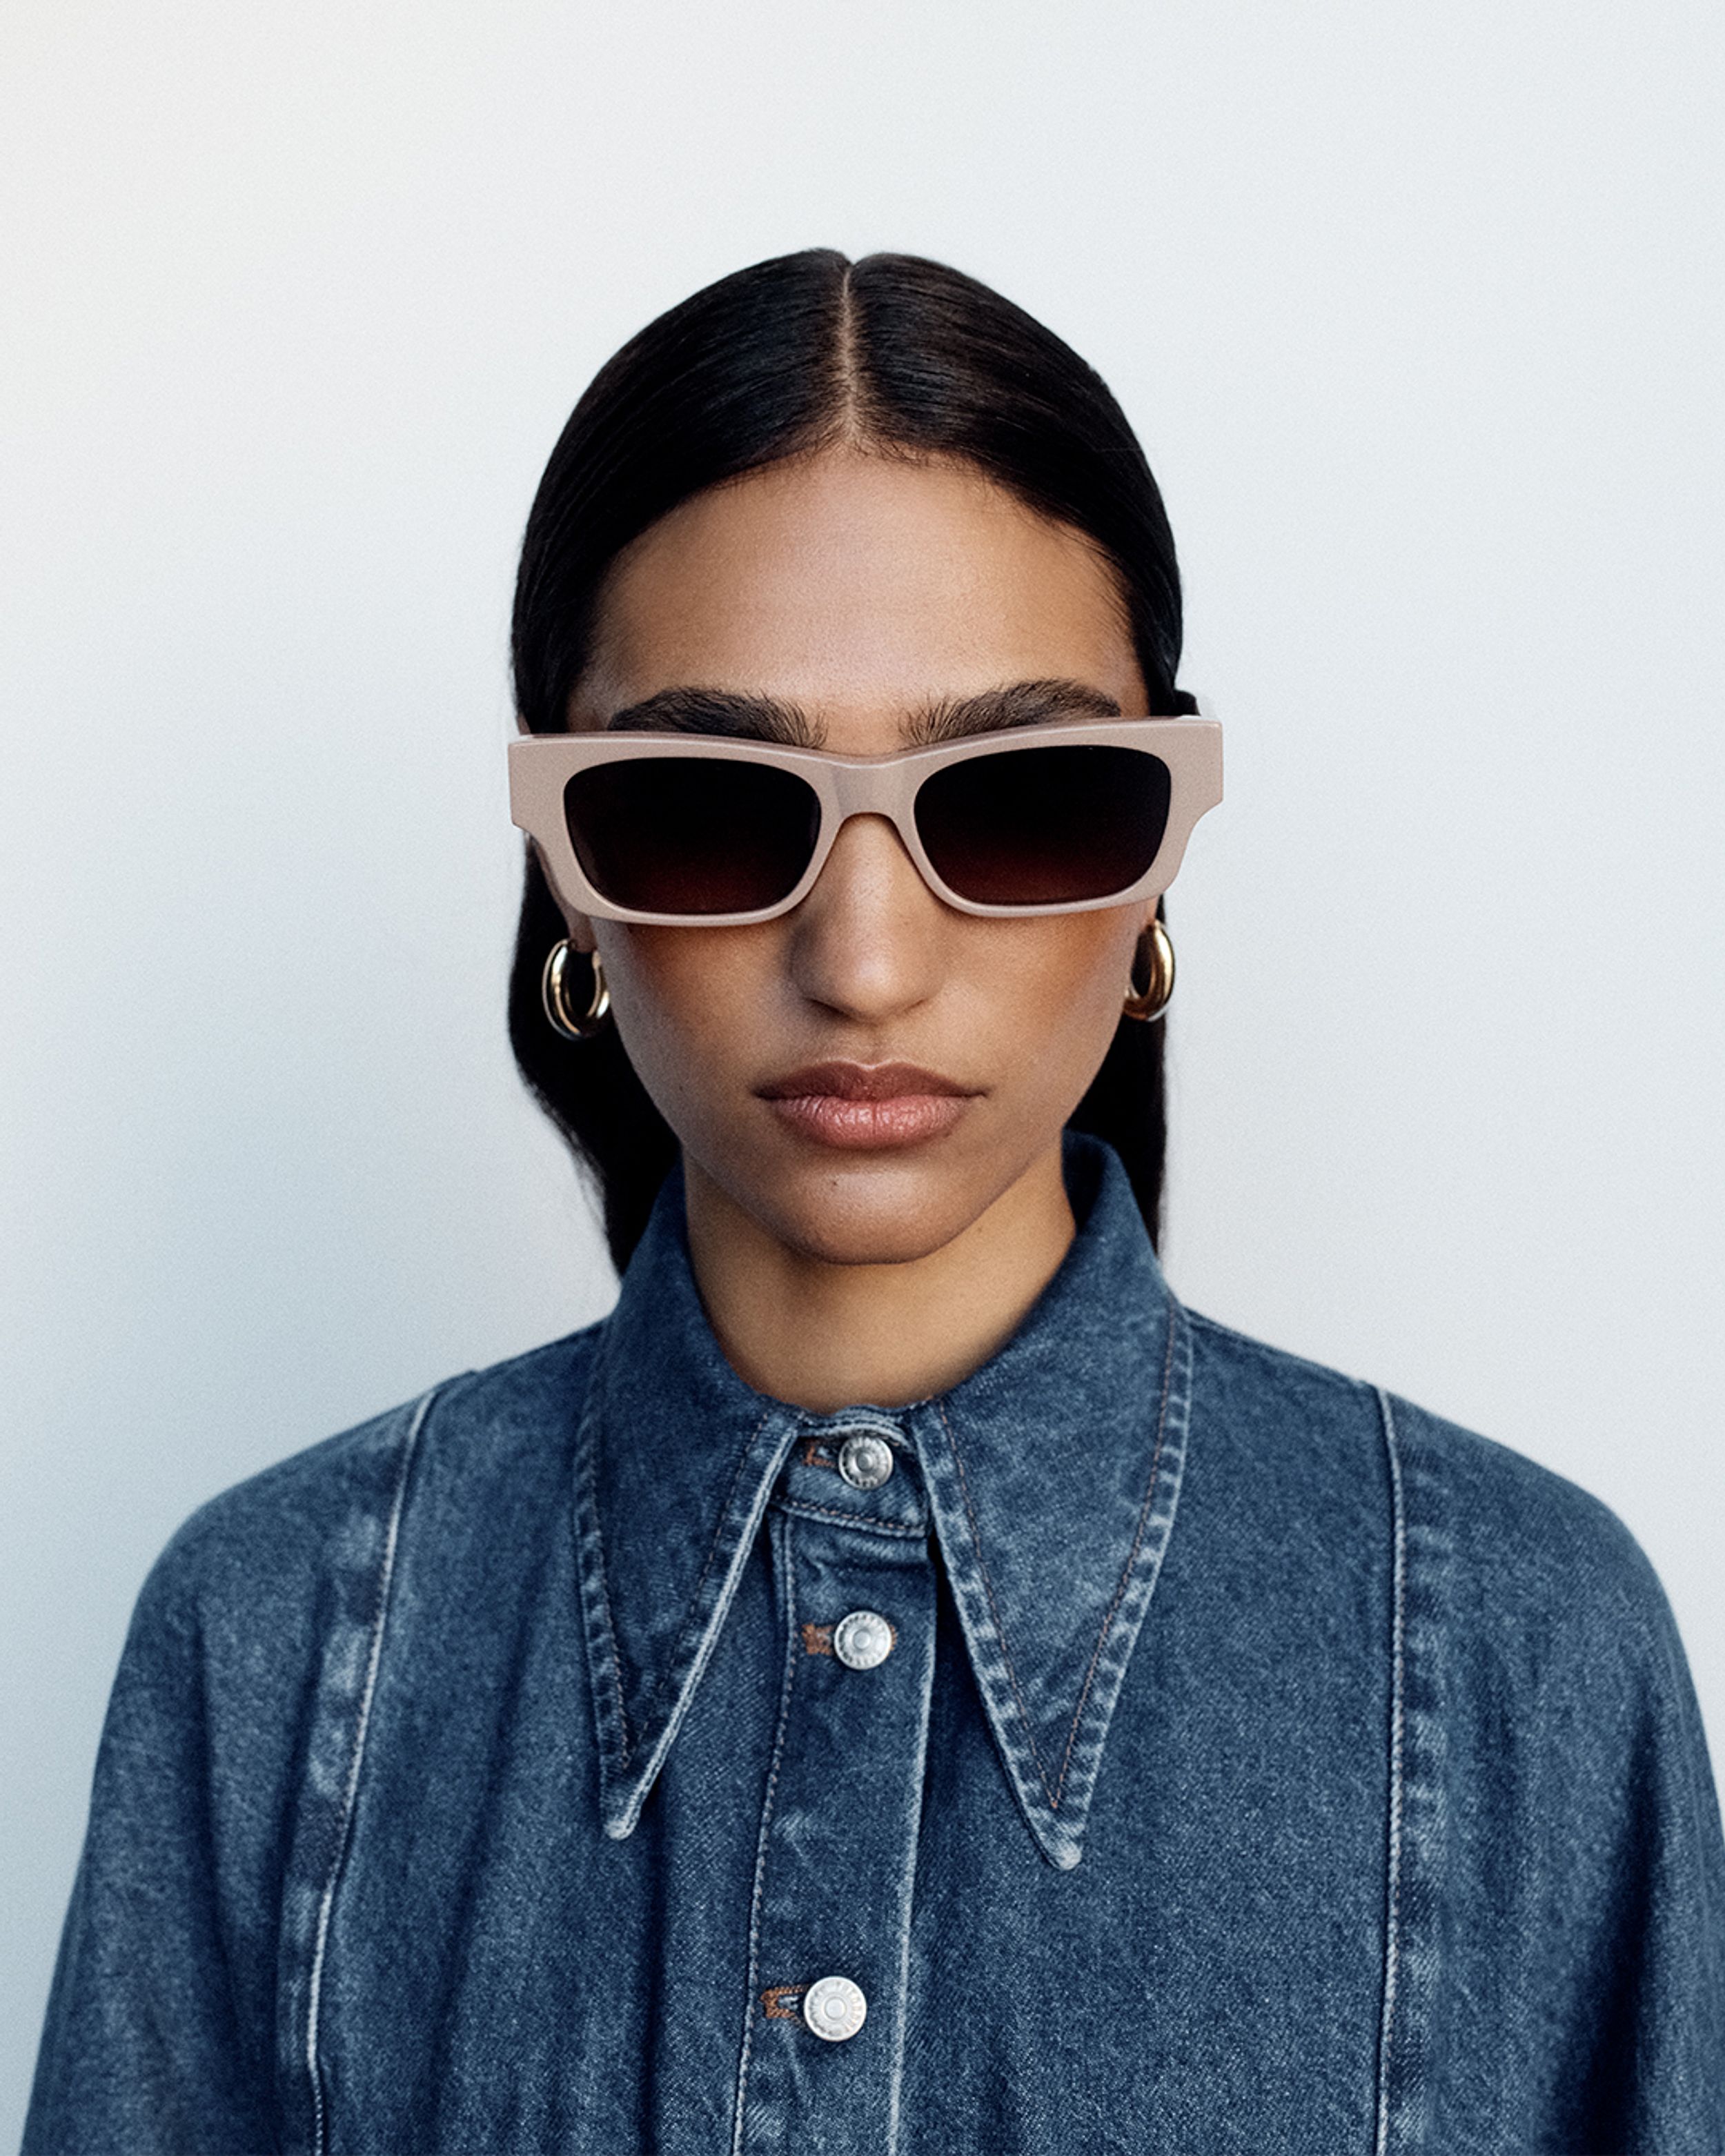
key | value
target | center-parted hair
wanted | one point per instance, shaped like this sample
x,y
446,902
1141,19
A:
x,y
808,351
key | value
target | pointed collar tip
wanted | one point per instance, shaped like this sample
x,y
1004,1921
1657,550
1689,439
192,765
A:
x,y
1060,1845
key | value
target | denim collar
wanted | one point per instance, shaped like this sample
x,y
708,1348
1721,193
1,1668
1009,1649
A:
x,y
1053,1473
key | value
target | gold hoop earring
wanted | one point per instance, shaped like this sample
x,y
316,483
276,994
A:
x,y
1151,1000
554,994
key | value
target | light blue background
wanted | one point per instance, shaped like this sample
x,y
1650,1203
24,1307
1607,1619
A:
x,y
1418,311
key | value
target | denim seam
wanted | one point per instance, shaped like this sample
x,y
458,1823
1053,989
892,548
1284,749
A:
x,y
350,1797
918,1778
591,1557
738,1534
1144,1513
1112,1662
1413,1945
691,1613
599,1625
602,1572
782,1544
1393,1884
981,1566
1056,1794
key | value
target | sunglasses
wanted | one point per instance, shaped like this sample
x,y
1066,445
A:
x,y
676,828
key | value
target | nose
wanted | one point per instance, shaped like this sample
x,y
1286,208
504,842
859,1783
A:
x,y
867,940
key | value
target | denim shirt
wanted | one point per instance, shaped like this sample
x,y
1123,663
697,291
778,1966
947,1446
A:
x,y
1241,1759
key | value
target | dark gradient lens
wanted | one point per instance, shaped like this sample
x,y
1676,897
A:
x,y
1044,826
692,835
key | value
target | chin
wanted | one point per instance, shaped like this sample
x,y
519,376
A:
x,y
877,1218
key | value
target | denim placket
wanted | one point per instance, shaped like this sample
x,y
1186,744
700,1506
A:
x,y
837,1854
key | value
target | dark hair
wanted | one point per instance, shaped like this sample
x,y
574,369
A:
x,y
892,351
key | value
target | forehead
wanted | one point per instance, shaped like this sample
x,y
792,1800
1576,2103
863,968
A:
x,y
857,585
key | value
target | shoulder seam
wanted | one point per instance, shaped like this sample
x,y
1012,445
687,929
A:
x,y
1398,1713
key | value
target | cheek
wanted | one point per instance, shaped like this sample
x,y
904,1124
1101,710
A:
x,y
689,998
1058,982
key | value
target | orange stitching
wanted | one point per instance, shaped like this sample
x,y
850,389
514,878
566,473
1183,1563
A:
x,y
817,1639
772,1997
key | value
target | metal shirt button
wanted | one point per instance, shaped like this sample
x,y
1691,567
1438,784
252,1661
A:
x,y
862,1641
865,1461
834,2009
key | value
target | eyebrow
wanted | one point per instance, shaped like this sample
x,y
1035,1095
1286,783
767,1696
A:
x,y
692,711
717,712
1022,704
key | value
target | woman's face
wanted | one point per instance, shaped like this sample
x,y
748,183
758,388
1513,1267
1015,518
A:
x,y
853,598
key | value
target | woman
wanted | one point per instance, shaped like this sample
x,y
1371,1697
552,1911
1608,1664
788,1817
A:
x,y
901,1680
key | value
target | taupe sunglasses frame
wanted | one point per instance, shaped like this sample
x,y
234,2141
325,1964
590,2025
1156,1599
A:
x,y
542,765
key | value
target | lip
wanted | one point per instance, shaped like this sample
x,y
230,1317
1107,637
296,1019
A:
x,y
864,1081
858,1106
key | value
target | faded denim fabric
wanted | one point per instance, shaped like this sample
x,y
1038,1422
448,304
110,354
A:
x,y
1259,1764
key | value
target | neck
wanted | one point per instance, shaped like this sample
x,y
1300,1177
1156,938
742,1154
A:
x,y
824,1336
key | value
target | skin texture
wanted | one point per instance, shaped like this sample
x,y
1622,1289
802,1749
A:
x,y
865,590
